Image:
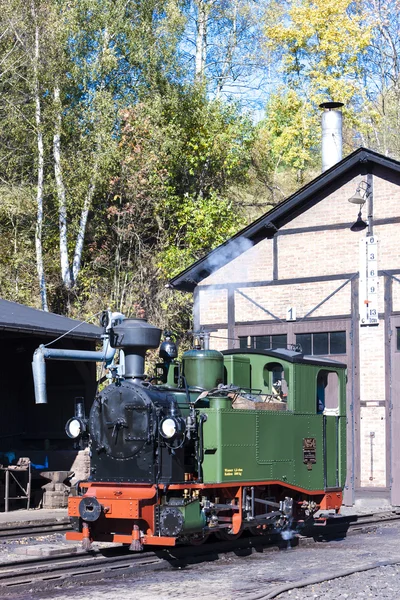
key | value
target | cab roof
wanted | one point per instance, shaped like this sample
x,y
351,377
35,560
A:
x,y
291,356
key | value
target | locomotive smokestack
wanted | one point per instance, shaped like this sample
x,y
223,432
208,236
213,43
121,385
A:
x,y
331,134
134,337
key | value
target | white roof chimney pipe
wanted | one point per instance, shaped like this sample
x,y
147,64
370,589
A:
x,y
331,134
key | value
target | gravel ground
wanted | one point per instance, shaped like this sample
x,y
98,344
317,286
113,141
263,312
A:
x,y
254,576
382,583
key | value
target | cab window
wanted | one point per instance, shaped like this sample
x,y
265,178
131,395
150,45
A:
x,y
275,380
327,391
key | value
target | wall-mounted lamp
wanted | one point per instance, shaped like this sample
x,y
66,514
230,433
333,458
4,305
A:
x,y
359,225
360,197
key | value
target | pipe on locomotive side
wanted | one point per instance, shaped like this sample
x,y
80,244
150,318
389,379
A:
x,y
42,354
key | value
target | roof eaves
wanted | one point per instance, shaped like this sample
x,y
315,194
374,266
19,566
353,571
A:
x,y
25,319
50,332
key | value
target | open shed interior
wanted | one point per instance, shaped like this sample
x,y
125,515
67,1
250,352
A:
x,y
38,431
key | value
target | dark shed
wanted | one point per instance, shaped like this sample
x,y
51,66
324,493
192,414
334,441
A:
x,y
27,429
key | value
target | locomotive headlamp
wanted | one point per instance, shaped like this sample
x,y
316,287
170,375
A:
x,y
169,428
75,427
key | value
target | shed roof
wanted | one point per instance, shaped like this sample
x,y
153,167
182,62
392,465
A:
x,y
361,161
24,319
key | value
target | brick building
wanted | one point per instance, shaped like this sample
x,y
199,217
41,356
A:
x,y
299,274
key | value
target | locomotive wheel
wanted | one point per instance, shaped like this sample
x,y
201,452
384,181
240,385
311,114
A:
x,y
223,534
198,538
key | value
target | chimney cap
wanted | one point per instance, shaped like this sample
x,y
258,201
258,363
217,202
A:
x,y
330,105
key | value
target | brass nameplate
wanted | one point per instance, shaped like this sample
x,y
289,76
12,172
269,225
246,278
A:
x,y
309,451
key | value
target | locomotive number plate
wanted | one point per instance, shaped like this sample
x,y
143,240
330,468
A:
x,y
309,451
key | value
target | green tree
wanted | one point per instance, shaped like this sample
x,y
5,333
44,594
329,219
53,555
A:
x,y
17,247
320,44
68,69
286,144
22,37
381,71
171,201
109,57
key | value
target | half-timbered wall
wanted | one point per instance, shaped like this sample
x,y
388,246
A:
x,y
309,272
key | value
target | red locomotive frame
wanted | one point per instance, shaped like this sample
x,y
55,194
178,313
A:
x,y
126,506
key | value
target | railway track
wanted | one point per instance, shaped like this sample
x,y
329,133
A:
x,y
376,518
44,572
29,530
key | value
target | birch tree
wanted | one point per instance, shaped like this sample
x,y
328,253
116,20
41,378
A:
x,y
381,70
21,38
229,57
103,56
201,38
40,159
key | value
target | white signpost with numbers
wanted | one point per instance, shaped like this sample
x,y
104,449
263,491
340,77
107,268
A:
x,y
368,292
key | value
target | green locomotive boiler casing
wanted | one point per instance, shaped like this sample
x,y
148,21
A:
x,y
303,445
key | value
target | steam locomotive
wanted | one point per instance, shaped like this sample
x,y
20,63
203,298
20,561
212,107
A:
x,y
215,443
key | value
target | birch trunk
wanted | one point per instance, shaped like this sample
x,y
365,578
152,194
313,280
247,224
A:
x,y
70,276
76,264
228,62
40,167
117,260
201,39
62,205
